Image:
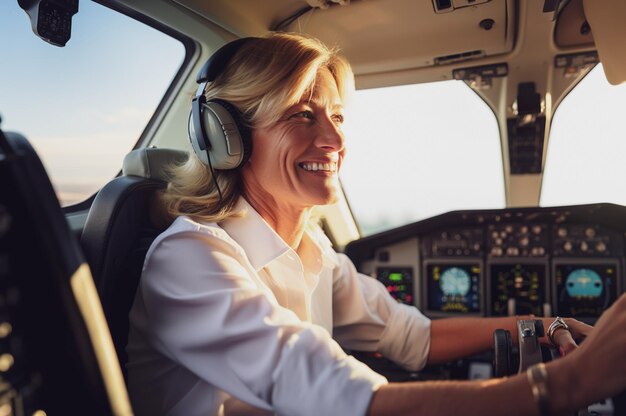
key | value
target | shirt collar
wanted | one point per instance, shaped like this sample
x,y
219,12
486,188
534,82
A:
x,y
325,247
261,243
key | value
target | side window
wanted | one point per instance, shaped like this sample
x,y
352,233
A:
x,y
84,106
585,159
416,151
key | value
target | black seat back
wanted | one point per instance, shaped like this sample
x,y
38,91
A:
x,y
57,353
118,232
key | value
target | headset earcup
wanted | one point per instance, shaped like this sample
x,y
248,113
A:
x,y
244,133
227,139
197,137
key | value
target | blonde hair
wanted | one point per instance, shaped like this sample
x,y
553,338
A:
x,y
263,79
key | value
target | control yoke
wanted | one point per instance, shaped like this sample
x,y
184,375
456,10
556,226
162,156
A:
x,y
509,360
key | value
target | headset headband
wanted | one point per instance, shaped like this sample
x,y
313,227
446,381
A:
x,y
217,63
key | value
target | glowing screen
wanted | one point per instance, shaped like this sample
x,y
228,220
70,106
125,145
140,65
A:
x,y
517,288
398,281
454,288
584,283
585,290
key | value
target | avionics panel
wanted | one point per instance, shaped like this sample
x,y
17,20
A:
x,y
398,281
453,287
518,288
517,240
526,256
584,288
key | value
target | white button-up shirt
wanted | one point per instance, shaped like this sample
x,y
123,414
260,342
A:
x,y
230,309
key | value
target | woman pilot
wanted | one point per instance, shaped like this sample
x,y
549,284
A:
x,y
242,301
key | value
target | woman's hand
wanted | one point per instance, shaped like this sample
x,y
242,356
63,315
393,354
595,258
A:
x,y
564,339
600,361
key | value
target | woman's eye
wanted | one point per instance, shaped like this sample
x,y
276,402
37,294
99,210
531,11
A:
x,y
303,114
338,118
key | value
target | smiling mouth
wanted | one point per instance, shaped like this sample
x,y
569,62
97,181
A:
x,y
330,167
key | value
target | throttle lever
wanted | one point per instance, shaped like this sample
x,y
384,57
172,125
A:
x,y
529,331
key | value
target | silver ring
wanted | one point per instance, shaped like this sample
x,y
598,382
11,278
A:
x,y
557,324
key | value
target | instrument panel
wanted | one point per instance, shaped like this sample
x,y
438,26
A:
x,y
542,261
454,287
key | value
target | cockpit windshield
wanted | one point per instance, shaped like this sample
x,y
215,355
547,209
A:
x,y
452,159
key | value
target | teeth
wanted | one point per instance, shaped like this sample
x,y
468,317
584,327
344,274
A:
x,y
314,166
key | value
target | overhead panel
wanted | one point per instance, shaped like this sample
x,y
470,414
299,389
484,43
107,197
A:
x,y
572,28
423,35
426,33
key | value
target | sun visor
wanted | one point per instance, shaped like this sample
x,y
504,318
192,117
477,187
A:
x,y
606,19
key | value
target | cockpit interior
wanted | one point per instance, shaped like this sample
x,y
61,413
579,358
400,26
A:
x,y
513,211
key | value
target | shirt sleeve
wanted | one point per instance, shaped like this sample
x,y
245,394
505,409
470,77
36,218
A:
x,y
367,318
207,314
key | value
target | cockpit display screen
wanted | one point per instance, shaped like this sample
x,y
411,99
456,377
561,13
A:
x,y
398,281
517,288
454,288
584,290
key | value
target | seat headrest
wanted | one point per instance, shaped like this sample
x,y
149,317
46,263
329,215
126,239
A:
x,y
152,163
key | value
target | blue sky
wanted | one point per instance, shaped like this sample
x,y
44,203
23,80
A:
x,y
83,106
36,79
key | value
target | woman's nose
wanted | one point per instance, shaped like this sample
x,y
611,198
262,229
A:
x,y
330,137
